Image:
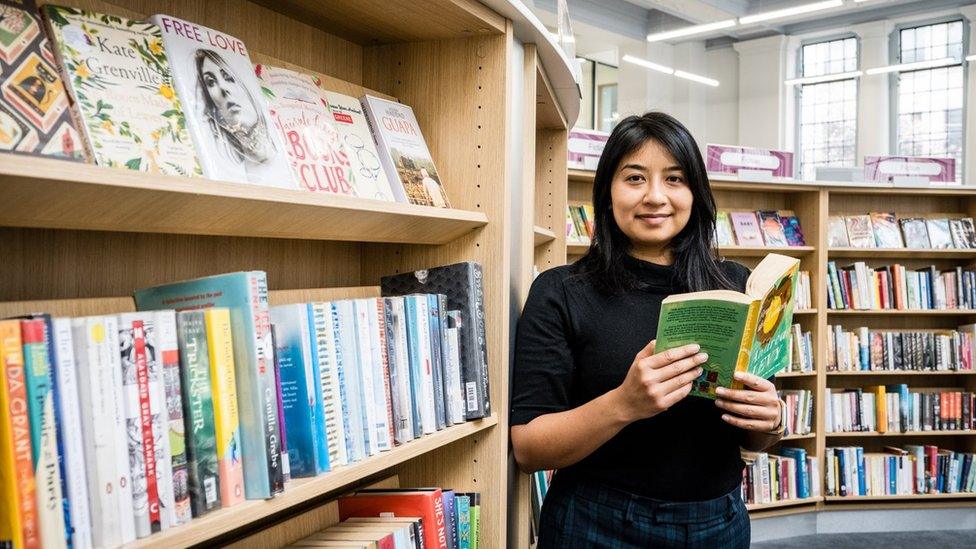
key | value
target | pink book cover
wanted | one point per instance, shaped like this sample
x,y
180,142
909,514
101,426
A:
x,y
731,158
885,168
746,227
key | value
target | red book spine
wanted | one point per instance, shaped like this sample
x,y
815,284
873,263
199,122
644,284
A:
x,y
15,384
145,419
428,505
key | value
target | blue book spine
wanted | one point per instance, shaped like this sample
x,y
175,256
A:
x,y
893,474
861,484
802,482
463,504
437,364
297,399
354,449
447,496
319,428
56,400
416,359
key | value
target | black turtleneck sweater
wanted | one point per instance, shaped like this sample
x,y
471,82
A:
x,y
575,343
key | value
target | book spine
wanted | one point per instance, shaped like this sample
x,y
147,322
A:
x,y
428,408
481,390
398,418
331,404
748,332
198,413
320,427
271,423
139,422
436,360
175,432
65,375
225,401
381,375
298,401
456,390
19,524
282,435
407,388
344,324
364,366
44,443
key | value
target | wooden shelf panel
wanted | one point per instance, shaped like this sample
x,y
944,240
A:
x,y
796,374
543,235
804,311
912,253
583,176
901,497
761,251
799,437
899,373
300,491
576,248
902,312
860,434
66,195
782,503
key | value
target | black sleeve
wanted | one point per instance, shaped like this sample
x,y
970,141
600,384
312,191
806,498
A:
x,y
737,273
542,375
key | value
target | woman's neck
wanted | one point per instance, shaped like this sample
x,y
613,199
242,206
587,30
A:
x,y
659,255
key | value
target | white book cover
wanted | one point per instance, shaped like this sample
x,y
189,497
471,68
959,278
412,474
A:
x,y
400,370
323,345
365,368
428,415
345,326
454,382
73,446
349,118
226,109
381,384
165,343
404,153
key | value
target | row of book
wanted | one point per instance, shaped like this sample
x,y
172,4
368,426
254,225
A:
x,y
170,96
801,359
760,228
408,518
768,478
803,299
799,410
580,222
864,349
885,230
858,286
909,469
125,425
898,409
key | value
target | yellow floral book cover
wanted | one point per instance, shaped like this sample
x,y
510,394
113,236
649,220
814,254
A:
x,y
122,89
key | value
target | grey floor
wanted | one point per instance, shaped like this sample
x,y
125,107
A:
x,y
889,540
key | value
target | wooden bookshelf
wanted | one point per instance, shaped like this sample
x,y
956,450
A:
x,y
799,437
899,373
782,503
576,248
901,497
543,235
795,374
804,311
762,251
860,434
901,253
902,312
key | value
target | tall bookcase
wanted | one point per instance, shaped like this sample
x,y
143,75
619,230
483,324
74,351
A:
x,y
813,204
78,239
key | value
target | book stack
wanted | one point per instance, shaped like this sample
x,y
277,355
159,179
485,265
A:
x,y
905,470
802,349
799,410
897,409
774,228
886,230
140,421
580,223
858,286
769,478
864,349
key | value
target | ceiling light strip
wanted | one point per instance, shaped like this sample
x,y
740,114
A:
x,y
823,78
668,70
688,31
787,12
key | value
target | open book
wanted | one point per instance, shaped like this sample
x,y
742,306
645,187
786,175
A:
x,y
740,332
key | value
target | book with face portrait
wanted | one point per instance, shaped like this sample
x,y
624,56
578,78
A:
x,y
226,107
34,115
117,74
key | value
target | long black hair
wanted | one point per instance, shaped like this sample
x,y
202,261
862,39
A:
x,y
696,267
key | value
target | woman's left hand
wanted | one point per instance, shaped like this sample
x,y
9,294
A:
x,y
754,408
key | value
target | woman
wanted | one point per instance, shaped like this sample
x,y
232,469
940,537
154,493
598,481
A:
x,y
639,465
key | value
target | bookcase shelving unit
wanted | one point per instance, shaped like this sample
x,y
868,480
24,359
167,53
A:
x,y
814,203
79,239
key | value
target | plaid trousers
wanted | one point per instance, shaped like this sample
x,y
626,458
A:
x,y
581,513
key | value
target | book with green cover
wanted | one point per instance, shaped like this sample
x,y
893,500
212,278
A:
x,y
740,331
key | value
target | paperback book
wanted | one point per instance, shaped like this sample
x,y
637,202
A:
x,y
747,332
916,235
772,229
859,231
791,228
723,229
886,233
349,118
837,232
939,233
747,231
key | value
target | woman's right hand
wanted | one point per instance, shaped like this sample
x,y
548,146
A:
x,y
655,382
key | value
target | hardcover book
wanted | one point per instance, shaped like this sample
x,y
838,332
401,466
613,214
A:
x,y
403,153
383,420
245,294
886,233
837,232
915,233
462,284
723,229
371,408
418,347
968,232
34,115
347,354
859,231
198,413
400,385
747,232
117,74
791,227
939,235
772,228
226,110
223,380
349,118
324,353
747,332
426,503
173,426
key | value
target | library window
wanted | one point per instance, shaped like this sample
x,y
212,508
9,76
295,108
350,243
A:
x,y
930,101
828,110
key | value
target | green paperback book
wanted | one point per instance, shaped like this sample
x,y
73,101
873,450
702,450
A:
x,y
747,332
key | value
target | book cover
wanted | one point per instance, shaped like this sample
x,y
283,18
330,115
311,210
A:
x,y
43,430
403,153
723,229
968,232
746,225
740,332
34,113
245,294
939,235
463,506
418,349
886,233
320,161
383,427
349,118
426,503
915,233
837,232
364,366
772,228
463,285
198,413
323,351
958,234
173,424
859,231
231,466
122,89
226,110
400,382
791,228
318,384
347,361
19,525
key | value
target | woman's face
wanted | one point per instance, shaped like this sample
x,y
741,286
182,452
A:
x,y
228,95
651,198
